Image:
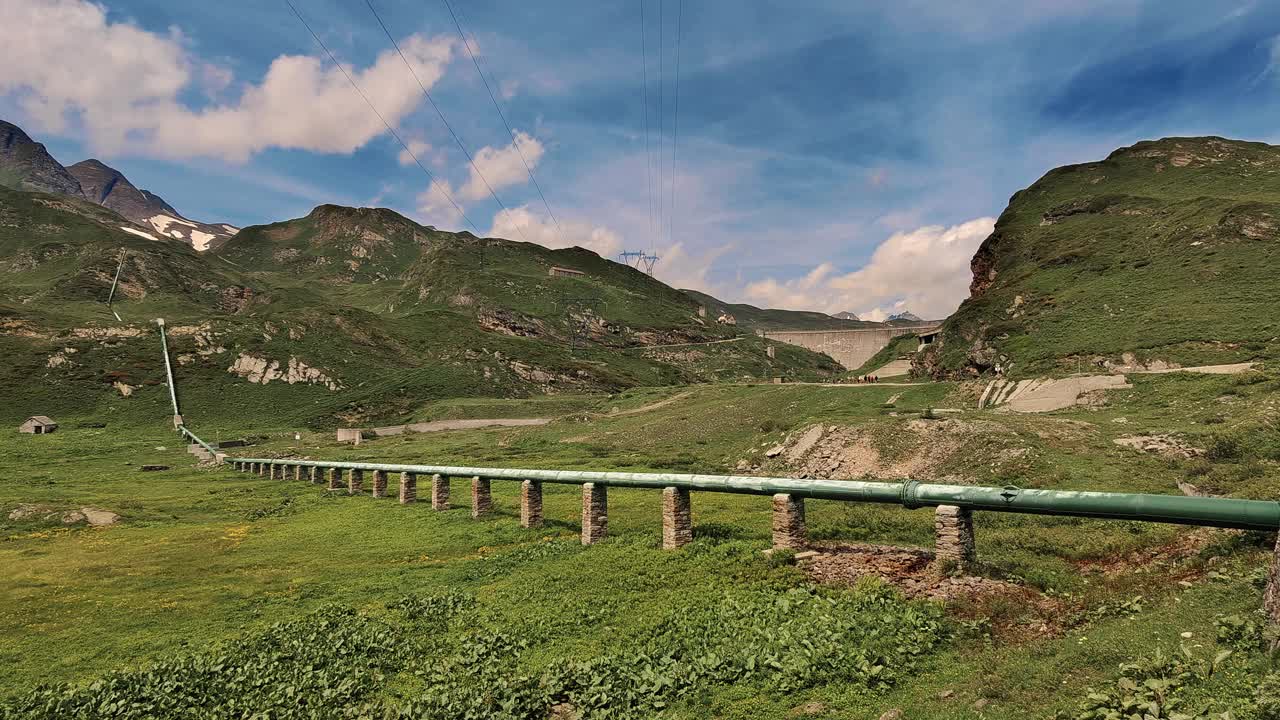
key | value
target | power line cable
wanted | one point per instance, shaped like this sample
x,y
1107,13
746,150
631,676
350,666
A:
x,y
662,126
675,123
440,114
514,141
390,129
648,149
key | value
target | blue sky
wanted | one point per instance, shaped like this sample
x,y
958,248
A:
x,y
831,155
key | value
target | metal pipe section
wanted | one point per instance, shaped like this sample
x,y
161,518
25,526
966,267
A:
x,y
116,280
168,369
1212,512
183,429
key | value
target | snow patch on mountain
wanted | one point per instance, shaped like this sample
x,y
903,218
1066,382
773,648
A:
x,y
139,233
161,224
200,240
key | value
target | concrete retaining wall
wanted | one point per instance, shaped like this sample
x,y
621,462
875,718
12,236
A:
x,y
850,348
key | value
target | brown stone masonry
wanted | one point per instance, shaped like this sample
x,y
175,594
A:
x,y
530,504
408,488
439,492
677,520
953,529
355,482
1271,600
297,472
481,497
379,483
595,513
315,474
788,522
335,478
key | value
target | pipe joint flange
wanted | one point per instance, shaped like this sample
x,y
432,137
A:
x,y
910,494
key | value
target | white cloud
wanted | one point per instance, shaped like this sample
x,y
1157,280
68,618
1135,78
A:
x,y
925,270
123,85
417,148
518,223
687,269
502,167
434,206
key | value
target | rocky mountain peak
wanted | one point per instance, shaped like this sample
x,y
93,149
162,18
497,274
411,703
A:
x,y
26,165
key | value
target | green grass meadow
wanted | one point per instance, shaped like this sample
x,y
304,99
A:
x,y
221,594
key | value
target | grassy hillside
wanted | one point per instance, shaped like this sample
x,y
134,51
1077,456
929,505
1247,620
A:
x,y
1166,250
344,316
753,318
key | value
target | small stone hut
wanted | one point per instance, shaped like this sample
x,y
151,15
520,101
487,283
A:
x,y
38,425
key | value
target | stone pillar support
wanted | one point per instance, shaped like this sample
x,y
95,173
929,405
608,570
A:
x,y
531,504
315,474
1271,600
379,483
595,513
439,492
262,469
355,482
408,488
677,520
481,497
788,522
297,472
953,530
335,478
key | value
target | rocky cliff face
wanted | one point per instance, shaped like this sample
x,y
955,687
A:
x,y
26,165
110,188
1164,251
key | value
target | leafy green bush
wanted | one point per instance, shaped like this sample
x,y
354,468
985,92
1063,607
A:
x,y
436,608
1238,632
1150,690
1268,698
1223,446
337,663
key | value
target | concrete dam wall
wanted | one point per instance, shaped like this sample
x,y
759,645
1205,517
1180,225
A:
x,y
850,348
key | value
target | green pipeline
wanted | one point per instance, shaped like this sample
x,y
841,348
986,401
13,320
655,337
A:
x,y
192,436
1212,512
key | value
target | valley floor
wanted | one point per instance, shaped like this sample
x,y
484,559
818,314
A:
x,y
439,615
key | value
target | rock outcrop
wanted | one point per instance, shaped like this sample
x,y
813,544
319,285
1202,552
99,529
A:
x,y
26,165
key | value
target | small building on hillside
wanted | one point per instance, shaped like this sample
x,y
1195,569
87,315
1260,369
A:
x,y
38,425
557,271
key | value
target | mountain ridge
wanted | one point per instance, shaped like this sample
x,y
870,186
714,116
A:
x,y
26,165
346,315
